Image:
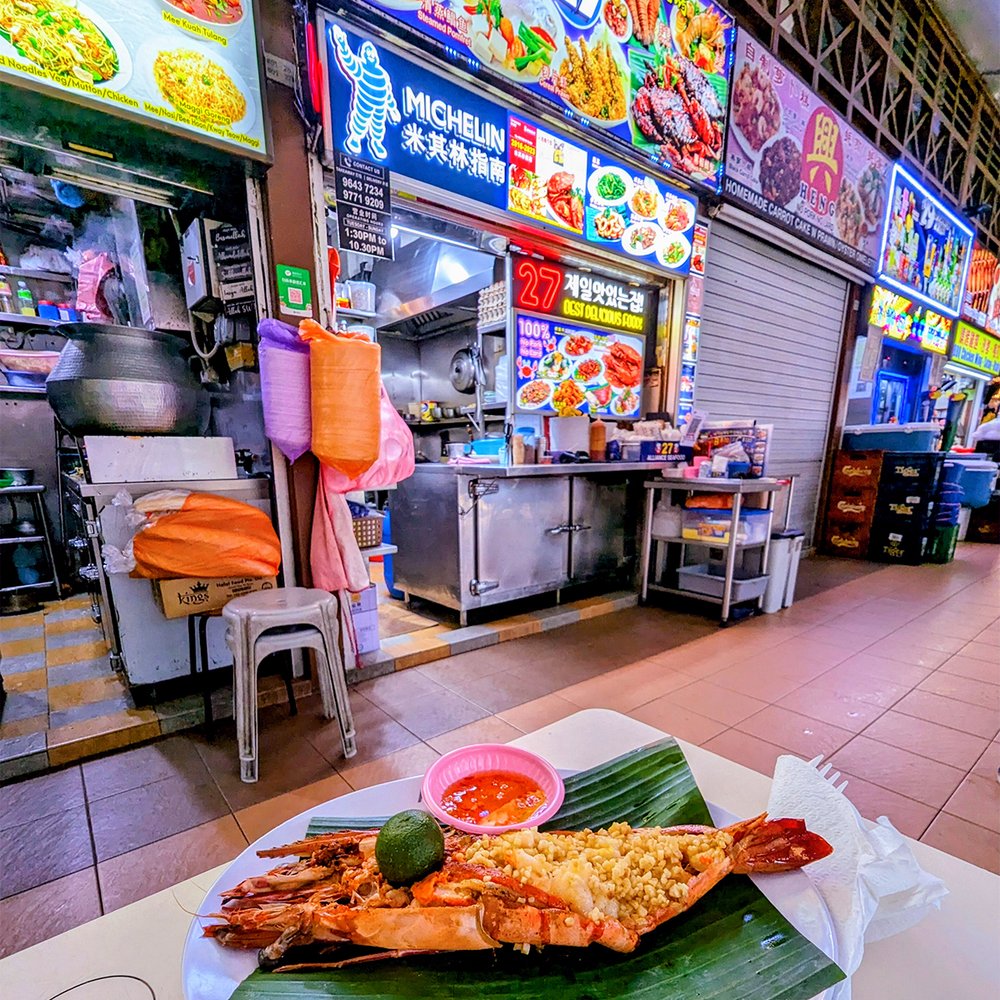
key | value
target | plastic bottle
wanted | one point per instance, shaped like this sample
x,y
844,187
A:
x,y
6,296
598,440
25,300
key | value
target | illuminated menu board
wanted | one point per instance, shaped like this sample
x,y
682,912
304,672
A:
x,y
976,349
900,318
185,65
982,290
926,248
388,111
652,74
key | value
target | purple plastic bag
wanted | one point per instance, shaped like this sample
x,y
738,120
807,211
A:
x,y
284,383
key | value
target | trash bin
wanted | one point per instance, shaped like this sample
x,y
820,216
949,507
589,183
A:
x,y
783,569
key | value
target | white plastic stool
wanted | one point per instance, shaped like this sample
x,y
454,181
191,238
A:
x,y
272,621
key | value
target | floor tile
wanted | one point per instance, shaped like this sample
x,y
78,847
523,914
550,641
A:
x,y
131,819
140,873
256,820
30,916
873,690
68,696
79,713
626,688
84,670
803,735
984,651
177,757
458,673
43,850
900,648
916,635
717,702
539,713
962,689
395,691
506,689
989,764
79,621
35,798
906,773
16,747
965,840
434,714
869,664
842,638
25,705
681,723
401,764
492,729
378,735
100,734
958,626
841,710
977,799
968,718
928,739
13,648
973,668
84,636
753,678
27,680
24,661
908,816
71,654
13,623
759,755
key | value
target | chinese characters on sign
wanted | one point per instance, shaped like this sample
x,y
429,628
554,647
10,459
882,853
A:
x,y
926,249
364,220
386,112
899,318
794,161
976,349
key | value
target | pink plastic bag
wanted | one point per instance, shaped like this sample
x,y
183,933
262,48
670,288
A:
x,y
395,456
285,388
334,557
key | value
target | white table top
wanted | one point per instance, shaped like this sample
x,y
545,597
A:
x,y
952,953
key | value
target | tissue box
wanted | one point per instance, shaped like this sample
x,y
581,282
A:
x,y
364,615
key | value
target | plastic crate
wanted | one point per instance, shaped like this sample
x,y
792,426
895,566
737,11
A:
x,y
902,506
892,437
857,470
942,543
852,506
368,530
901,470
903,545
704,579
848,540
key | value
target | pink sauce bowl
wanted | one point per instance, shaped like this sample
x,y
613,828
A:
x,y
464,761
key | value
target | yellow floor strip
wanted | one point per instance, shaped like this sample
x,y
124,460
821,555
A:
x,y
19,647
66,696
30,680
106,732
61,655
7,624
24,727
82,624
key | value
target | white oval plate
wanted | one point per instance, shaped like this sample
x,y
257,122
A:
x,y
212,972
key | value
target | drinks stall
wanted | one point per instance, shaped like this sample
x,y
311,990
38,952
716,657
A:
x,y
522,267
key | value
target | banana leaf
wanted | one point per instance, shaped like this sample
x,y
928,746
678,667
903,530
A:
x,y
732,945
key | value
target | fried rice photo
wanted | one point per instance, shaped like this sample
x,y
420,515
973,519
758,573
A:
x,y
197,86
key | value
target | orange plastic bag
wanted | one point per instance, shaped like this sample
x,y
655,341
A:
x,y
345,381
203,535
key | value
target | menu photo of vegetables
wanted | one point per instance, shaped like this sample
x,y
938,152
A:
x,y
569,371
190,65
548,176
645,217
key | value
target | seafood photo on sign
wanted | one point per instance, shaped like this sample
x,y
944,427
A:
x,y
547,175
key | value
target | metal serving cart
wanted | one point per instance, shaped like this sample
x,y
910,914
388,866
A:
x,y
677,546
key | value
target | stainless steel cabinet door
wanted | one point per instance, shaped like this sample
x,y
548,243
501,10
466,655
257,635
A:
x,y
522,534
597,541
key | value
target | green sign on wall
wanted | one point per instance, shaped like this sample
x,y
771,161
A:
x,y
294,291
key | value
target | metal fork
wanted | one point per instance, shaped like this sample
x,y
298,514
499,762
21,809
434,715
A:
x,y
824,770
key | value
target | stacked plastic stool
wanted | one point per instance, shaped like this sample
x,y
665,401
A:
x,y
272,621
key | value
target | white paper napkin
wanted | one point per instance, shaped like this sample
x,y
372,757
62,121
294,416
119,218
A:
x,y
872,883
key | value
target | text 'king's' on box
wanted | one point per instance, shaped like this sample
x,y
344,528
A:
x,y
192,596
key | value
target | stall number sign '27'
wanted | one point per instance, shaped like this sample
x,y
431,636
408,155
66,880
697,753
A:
x,y
446,137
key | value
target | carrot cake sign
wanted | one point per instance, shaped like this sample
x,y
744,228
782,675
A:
x,y
794,161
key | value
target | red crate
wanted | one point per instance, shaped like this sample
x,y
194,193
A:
x,y
848,540
857,470
851,506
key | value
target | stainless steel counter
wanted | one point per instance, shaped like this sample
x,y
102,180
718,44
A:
x,y
520,471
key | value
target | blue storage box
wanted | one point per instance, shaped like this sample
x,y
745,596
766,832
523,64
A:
x,y
891,437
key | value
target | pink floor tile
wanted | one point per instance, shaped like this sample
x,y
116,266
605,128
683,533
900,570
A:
x,y
800,733
973,668
756,680
842,638
759,755
906,773
973,719
917,635
683,724
965,840
988,765
900,648
985,651
962,689
928,739
907,815
871,664
820,703
977,800
959,626
717,703
849,684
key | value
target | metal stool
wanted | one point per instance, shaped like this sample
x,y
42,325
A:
x,y
273,620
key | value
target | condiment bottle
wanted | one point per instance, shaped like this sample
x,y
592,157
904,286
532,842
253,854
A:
x,y
25,300
598,440
517,450
6,296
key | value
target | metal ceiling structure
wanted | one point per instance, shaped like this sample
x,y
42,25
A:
x,y
898,73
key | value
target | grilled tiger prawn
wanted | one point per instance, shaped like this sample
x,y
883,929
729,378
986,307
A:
x,y
526,887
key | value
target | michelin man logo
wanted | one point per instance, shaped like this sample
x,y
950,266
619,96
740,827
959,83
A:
x,y
372,100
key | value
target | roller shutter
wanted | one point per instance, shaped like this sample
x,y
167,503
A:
x,y
770,344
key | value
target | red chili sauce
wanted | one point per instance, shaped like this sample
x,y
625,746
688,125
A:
x,y
493,798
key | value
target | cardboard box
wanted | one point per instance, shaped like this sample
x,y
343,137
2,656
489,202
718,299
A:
x,y
191,596
364,615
